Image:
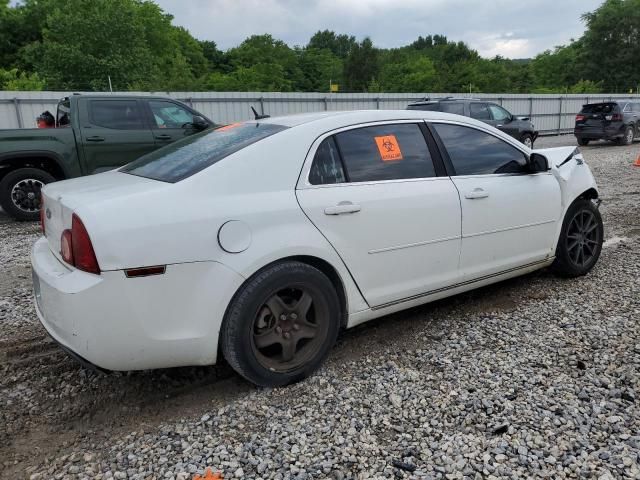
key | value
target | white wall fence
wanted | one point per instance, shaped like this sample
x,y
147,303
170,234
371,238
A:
x,y
551,114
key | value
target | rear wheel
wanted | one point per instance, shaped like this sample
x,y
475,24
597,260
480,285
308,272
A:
x,y
627,138
580,241
20,192
583,141
281,324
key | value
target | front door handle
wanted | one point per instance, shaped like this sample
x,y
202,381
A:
x,y
95,139
476,193
342,208
163,137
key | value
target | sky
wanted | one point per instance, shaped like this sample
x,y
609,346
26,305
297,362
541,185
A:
x,y
510,28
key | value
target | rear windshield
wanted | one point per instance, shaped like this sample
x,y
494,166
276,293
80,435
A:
x,y
599,108
188,156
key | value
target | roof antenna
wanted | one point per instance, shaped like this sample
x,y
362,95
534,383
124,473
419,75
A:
x,y
257,115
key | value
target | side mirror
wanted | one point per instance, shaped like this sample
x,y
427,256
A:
x,y
538,163
199,123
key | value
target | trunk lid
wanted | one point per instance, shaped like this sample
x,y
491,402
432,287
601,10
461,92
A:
x,y
596,115
61,199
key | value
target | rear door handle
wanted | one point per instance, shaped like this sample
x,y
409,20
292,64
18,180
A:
x,y
163,137
342,208
95,139
476,193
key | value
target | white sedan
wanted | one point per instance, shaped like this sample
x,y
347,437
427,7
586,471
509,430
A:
x,y
260,240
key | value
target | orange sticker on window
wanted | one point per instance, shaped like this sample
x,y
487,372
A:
x,y
228,127
389,148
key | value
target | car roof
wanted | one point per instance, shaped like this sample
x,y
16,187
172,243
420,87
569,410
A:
x,y
119,96
331,120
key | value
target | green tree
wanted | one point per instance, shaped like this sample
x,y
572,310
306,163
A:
x,y
14,80
339,45
361,66
610,50
319,67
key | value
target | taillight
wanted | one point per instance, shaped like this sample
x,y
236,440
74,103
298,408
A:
x,y
580,118
616,117
76,247
42,214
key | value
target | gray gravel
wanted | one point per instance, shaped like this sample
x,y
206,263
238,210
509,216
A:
x,y
537,377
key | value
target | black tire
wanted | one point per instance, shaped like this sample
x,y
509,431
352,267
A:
x,y
250,318
581,215
527,140
23,202
583,141
627,138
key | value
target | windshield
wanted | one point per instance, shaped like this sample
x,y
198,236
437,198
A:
x,y
599,108
186,157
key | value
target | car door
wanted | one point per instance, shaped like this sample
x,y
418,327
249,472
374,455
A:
x,y
509,217
113,133
503,120
170,121
373,192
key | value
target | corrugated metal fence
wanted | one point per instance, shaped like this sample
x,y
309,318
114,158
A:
x,y
550,113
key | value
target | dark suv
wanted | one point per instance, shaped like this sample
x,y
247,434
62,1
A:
x,y
519,128
608,121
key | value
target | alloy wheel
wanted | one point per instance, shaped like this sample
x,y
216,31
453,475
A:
x,y
583,238
289,328
25,195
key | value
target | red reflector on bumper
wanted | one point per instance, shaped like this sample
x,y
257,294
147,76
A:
x,y
145,271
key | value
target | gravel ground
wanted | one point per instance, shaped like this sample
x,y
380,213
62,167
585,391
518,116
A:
x,y
533,377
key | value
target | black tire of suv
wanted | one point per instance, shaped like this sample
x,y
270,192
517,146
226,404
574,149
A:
x,y
583,141
238,332
627,138
10,180
526,137
564,265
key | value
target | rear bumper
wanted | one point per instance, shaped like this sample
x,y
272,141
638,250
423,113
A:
x,y
597,133
119,323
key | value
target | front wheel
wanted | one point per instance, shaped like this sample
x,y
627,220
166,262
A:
x,y
580,241
281,324
527,140
20,192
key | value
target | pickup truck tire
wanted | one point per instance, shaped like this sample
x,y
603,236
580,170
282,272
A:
x,y
583,141
580,242
20,192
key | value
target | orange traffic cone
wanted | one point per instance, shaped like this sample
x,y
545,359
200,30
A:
x,y
637,162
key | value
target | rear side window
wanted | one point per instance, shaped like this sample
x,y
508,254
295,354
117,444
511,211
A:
x,y
63,116
190,155
326,167
450,107
479,111
474,152
116,114
385,152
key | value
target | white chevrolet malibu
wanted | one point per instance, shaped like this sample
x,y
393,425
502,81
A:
x,y
260,240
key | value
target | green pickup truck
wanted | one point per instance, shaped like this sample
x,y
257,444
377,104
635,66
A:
x,y
93,134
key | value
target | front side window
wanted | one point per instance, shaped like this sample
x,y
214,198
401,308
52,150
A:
x,y
479,111
169,114
385,152
116,114
192,154
326,167
499,113
474,152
